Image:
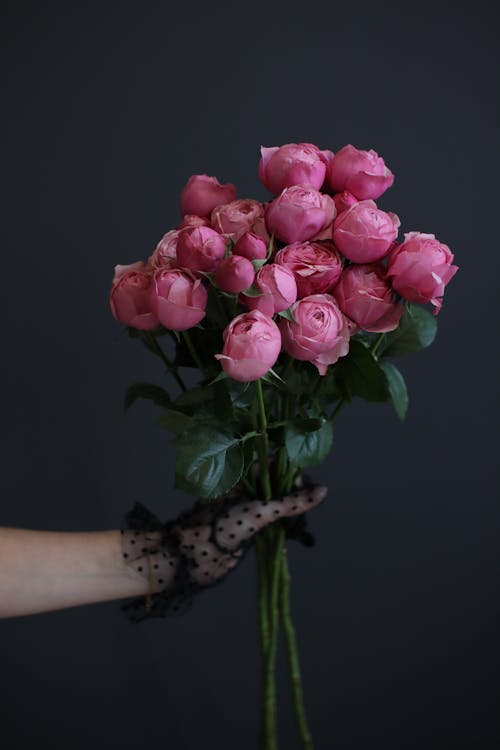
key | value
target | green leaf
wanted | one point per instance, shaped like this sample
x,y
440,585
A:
x,y
397,388
175,421
253,291
360,374
209,461
242,395
148,391
195,396
416,330
288,315
307,447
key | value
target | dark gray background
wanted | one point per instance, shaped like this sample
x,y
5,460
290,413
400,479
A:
x,y
107,110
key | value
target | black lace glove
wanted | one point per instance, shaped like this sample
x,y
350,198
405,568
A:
x,y
200,547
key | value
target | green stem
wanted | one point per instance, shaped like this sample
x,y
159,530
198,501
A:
x,y
192,351
168,364
293,657
269,682
263,444
377,344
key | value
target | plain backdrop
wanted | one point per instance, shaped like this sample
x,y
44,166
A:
x,y
107,110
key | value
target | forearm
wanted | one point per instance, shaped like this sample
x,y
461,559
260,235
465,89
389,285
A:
x,y
47,570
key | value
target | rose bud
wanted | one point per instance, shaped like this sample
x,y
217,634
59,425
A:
x,y
362,173
278,287
291,164
202,194
420,268
299,213
177,298
364,233
252,343
316,266
200,248
191,220
165,254
234,274
129,297
251,246
366,297
344,200
320,334
237,218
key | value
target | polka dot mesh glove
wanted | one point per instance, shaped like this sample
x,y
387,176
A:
x,y
198,549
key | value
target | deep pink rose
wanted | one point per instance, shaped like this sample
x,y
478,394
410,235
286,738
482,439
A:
x,y
364,233
251,246
200,248
299,213
252,343
316,266
165,253
238,217
202,194
362,173
234,274
278,287
420,268
129,297
291,164
191,220
344,200
177,298
320,334
366,297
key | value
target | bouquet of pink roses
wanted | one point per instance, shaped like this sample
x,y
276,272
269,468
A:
x,y
288,309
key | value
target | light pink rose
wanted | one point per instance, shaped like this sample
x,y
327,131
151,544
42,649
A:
x,y
191,220
291,164
299,213
234,274
344,200
278,287
251,246
362,173
420,268
202,194
177,298
252,343
200,248
316,266
320,334
238,217
364,233
366,297
165,253
129,297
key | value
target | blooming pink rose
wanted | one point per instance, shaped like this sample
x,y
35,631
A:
x,y
299,213
177,298
165,253
252,343
129,297
316,266
202,194
344,200
234,274
200,248
420,268
364,233
251,246
366,297
191,220
278,287
238,217
291,164
320,334
362,173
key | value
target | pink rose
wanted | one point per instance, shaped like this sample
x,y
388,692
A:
x,y
320,334
316,266
252,343
165,254
363,173
420,268
202,194
364,233
238,217
251,246
234,274
299,213
278,287
344,200
366,297
129,297
177,298
200,248
191,220
291,164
